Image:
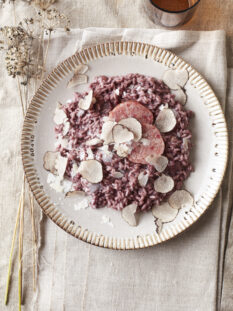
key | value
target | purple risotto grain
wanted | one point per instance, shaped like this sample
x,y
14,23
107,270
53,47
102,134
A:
x,y
85,125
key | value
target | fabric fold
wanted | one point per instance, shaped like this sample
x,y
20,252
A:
x,y
180,274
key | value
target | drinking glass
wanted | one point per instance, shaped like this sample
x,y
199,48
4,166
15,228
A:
x,y
168,18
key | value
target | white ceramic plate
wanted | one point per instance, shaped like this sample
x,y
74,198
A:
x,y
209,153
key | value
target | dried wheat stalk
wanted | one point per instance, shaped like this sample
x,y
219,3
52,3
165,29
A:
x,y
24,64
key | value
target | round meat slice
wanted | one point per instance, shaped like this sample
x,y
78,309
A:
x,y
131,109
155,146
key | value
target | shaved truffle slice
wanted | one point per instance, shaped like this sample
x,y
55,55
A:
x,y
87,102
180,96
121,134
155,147
159,225
75,193
60,165
159,162
132,109
175,78
164,212
164,184
49,159
66,128
76,80
134,126
106,133
180,199
128,214
166,120
78,77
91,170
143,178
81,69
59,115
182,77
74,170
94,141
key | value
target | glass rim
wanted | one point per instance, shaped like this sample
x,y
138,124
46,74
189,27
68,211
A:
x,y
176,12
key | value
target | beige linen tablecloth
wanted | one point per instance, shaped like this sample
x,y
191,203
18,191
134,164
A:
x,y
227,290
182,274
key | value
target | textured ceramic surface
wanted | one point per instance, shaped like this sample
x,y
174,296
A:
x,y
209,154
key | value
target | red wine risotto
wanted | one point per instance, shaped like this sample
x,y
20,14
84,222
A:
x,y
131,132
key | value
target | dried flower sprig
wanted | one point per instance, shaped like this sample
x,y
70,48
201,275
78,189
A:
x,y
54,19
14,35
34,240
12,246
43,4
23,46
49,21
17,42
20,254
2,2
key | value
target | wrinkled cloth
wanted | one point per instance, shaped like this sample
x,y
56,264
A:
x,y
181,274
227,287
